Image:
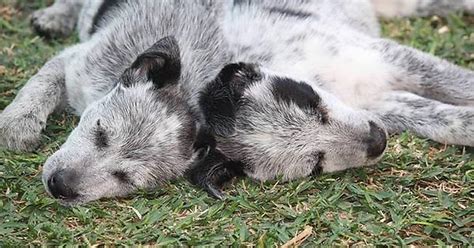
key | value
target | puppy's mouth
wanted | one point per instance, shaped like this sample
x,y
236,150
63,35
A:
x,y
72,202
78,199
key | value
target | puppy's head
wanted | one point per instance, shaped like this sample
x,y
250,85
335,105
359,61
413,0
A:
x,y
278,126
137,136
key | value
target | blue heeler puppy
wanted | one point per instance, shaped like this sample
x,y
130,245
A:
x,y
334,88
316,91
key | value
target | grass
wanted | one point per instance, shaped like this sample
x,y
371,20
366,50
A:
x,y
420,194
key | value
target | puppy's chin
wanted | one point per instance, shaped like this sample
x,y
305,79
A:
x,y
81,200
74,202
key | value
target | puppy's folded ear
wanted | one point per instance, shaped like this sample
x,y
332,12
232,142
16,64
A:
x,y
161,64
211,169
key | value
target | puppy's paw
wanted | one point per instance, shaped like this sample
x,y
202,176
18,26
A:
x,y
20,132
54,21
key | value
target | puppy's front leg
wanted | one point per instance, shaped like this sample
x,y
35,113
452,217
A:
x,y
426,75
58,19
22,121
211,169
438,121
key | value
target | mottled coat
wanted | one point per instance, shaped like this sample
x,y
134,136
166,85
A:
x,y
223,88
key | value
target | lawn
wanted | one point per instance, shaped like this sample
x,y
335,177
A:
x,y
420,194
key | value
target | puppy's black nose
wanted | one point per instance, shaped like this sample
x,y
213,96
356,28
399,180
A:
x,y
59,184
376,142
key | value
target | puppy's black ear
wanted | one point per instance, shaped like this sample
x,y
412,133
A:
x,y
160,63
219,100
212,169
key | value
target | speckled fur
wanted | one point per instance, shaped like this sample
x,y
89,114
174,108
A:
x,y
363,83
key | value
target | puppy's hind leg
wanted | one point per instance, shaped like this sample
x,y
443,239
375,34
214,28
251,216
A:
x,y
426,75
407,8
22,121
428,118
58,19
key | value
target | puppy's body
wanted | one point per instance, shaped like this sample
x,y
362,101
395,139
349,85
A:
x,y
404,88
320,92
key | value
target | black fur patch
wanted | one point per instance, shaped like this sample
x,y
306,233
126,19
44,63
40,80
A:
x,y
204,139
161,63
377,141
301,94
289,12
220,99
106,6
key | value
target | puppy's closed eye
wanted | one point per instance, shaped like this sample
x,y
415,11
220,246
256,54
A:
x,y
122,176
